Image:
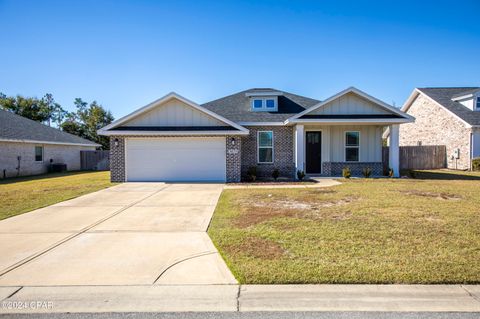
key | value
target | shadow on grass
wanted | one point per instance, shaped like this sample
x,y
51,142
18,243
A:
x,y
12,180
448,175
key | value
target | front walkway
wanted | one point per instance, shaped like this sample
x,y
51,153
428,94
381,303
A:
x,y
130,234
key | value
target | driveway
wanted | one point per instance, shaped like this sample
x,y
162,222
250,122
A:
x,y
129,234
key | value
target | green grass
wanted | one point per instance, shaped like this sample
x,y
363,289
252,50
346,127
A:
x,y
24,194
422,230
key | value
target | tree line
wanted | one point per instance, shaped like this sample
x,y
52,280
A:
x,y
84,121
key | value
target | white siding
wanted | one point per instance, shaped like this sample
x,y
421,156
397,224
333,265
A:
x,y
174,113
333,142
350,104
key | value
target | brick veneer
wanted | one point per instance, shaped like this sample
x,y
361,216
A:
x,y
282,152
234,158
356,168
117,158
435,126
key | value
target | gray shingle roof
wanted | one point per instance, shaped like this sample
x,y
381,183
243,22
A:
x,y
444,97
16,127
236,107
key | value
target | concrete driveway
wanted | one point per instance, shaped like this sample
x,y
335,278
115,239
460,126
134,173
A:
x,y
130,234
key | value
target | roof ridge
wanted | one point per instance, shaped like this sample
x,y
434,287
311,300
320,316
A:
x,y
23,118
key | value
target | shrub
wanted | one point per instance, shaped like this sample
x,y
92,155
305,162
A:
x,y
275,173
300,175
252,173
346,173
476,164
367,172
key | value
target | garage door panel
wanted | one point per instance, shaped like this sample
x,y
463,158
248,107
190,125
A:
x,y
176,159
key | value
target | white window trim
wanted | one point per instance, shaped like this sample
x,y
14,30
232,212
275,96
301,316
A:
x,y
272,147
264,107
35,153
345,146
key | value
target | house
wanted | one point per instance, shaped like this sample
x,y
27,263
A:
x,y
28,147
175,139
445,116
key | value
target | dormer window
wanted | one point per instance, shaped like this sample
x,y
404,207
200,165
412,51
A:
x,y
264,104
478,103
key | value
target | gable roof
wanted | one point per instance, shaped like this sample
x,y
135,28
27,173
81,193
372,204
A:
x,y
443,96
237,108
393,111
115,127
14,127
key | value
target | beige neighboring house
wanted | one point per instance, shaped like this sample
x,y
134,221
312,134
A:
x,y
28,147
445,116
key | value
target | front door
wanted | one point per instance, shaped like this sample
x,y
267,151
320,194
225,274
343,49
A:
x,y
313,152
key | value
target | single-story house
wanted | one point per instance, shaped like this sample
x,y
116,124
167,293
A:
x,y
175,139
28,147
447,116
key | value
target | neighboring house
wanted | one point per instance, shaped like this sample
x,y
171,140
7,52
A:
x,y
445,116
28,147
175,139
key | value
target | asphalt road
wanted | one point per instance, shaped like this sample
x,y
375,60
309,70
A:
x,y
255,315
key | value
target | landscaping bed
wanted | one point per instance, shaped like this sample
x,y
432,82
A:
x,y
24,194
423,230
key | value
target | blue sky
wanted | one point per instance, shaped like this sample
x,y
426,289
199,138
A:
x,y
125,54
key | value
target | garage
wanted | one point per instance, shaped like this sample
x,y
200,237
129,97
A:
x,y
176,159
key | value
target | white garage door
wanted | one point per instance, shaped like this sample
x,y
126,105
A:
x,y
176,159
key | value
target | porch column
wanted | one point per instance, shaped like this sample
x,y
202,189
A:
x,y
394,150
299,148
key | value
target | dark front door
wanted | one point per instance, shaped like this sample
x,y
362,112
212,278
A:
x,y
313,152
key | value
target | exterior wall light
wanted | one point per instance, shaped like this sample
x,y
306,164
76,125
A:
x,y
115,142
233,140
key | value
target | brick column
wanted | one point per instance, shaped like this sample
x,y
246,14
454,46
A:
x,y
117,159
234,156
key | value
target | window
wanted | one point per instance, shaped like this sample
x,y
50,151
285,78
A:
x,y
257,104
270,104
352,146
478,103
38,153
265,147
264,104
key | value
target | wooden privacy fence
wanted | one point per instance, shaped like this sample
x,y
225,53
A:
x,y
95,160
419,157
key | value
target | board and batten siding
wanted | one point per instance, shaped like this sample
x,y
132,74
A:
x,y
174,113
333,142
350,104
370,142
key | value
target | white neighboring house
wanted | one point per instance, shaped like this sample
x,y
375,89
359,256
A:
x,y
28,147
447,116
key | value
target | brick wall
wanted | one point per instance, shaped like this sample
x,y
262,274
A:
x,y
356,169
282,153
234,158
9,152
435,126
117,159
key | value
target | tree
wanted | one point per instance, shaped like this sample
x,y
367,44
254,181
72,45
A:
x,y
86,120
44,110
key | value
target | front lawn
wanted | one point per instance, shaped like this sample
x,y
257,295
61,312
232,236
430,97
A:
x,y
24,194
424,230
